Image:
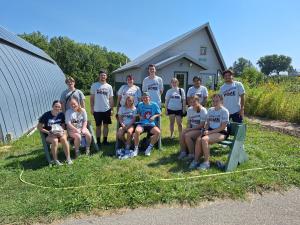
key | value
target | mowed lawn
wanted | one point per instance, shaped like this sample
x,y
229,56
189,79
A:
x,y
103,182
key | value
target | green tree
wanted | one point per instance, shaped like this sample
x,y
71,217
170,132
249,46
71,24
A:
x,y
274,62
252,76
80,60
239,65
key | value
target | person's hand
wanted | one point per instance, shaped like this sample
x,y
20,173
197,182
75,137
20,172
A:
x,y
84,130
206,132
123,125
151,118
242,112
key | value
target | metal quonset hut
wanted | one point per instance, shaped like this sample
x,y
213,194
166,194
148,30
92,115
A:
x,y
29,82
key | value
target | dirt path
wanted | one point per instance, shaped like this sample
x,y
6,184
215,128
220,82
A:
x,y
276,125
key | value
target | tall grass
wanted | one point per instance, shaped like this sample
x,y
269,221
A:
x,y
275,100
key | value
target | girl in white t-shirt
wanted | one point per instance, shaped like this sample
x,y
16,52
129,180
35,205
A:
x,y
175,106
126,117
76,120
215,131
196,116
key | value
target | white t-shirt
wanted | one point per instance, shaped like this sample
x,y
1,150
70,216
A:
x,y
76,118
102,94
215,118
125,91
127,114
231,94
201,92
175,99
153,86
194,117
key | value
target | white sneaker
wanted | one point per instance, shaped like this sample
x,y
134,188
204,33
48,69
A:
x,y
69,162
135,153
148,151
58,163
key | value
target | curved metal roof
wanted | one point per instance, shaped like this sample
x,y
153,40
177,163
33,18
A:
x,y
13,39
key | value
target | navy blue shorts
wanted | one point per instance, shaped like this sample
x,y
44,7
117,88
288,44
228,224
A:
x,y
174,112
102,117
236,117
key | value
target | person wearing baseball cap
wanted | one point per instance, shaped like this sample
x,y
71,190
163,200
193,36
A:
x,y
149,112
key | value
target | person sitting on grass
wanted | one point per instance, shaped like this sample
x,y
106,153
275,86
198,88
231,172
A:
x,y
126,117
196,117
76,120
148,112
52,124
215,131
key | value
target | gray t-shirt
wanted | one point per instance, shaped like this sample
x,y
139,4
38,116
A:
x,y
125,91
67,94
231,94
102,94
215,118
76,118
153,86
127,114
175,99
194,117
201,92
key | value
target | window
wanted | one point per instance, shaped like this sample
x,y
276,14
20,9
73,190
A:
x,y
203,50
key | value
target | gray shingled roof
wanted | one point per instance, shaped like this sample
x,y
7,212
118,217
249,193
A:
x,y
155,51
13,39
167,61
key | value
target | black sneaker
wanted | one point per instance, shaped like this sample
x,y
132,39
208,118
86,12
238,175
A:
x,y
105,143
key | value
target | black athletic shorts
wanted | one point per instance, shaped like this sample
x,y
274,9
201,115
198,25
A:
x,y
174,112
102,117
224,132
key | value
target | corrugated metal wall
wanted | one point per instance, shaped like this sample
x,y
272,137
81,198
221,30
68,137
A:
x,y
29,82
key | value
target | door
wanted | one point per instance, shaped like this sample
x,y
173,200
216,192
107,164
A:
x,y
182,78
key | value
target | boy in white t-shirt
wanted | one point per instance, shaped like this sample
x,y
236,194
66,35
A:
x,y
153,85
199,90
102,105
234,96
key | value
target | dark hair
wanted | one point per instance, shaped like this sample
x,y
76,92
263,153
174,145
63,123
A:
x,y
130,76
227,71
102,71
151,65
197,78
219,95
55,101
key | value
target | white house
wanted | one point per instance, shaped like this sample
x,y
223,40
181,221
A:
x,y
194,53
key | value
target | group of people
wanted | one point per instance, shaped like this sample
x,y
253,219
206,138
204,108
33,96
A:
x,y
139,111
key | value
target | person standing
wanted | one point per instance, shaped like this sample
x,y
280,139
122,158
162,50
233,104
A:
x,y
234,96
154,85
102,105
71,92
129,89
199,90
175,105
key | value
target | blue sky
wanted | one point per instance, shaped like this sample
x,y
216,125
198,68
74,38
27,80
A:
x,y
249,29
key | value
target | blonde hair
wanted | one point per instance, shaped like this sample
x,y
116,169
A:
x,y
76,100
197,99
69,78
132,104
176,80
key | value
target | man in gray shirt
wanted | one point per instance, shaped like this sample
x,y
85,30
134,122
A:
x,y
71,92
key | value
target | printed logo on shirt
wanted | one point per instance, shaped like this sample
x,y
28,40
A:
x,y
52,121
147,115
215,119
199,95
195,119
102,91
153,87
230,92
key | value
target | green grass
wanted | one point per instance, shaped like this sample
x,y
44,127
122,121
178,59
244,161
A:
x,y
23,204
